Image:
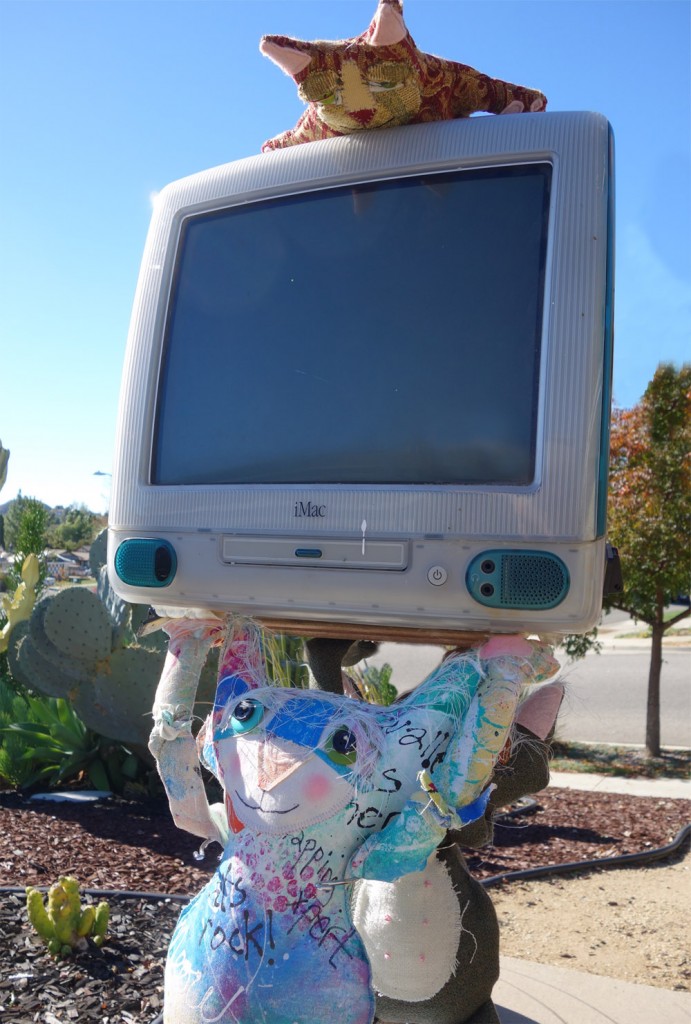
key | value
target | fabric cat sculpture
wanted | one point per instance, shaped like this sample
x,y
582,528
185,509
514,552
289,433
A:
x,y
450,977
319,790
381,79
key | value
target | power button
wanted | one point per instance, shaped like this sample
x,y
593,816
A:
x,y
437,575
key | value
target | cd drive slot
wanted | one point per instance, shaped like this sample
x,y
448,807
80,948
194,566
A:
x,y
324,553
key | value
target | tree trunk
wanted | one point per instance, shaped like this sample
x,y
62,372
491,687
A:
x,y
652,719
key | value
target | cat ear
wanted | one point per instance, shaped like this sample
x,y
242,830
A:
x,y
387,25
291,55
242,657
539,711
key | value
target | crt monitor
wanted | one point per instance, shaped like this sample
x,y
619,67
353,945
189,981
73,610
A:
x,y
367,383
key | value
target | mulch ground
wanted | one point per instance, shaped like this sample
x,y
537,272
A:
x,y
126,846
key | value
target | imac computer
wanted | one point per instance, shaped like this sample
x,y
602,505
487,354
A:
x,y
368,383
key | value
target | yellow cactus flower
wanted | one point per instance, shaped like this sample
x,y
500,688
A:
x,y
17,607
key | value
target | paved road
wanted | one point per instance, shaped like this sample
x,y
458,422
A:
x,y
606,698
606,693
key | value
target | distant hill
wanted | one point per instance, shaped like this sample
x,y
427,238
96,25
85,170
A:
x,y
58,512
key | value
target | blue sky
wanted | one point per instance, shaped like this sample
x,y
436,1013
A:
x,y
103,102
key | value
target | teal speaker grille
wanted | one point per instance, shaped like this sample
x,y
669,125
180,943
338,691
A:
x,y
532,581
146,562
519,580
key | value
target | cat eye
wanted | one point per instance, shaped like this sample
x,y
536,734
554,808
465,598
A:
x,y
384,86
341,746
333,98
247,715
320,87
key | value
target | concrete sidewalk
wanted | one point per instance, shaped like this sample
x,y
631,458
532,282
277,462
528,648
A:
x,y
529,993
622,634
532,993
665,789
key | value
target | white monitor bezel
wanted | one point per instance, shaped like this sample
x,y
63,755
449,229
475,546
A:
x,y
560,511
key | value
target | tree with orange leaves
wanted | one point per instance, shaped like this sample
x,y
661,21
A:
x,y
650,514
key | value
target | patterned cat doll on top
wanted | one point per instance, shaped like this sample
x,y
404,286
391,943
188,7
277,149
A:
x,y
381,79
319,790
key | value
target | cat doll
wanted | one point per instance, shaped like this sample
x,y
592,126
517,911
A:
x,y
381,79
444,974
320,791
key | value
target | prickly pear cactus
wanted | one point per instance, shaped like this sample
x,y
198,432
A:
x,y
62,923
82,646
17,607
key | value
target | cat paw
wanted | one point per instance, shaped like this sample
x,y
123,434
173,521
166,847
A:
x,y
517,106
506,646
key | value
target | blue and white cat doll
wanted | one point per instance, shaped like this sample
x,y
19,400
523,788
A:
x,y
320,790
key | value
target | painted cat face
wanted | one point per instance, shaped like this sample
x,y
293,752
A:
x,y
290,759
285,761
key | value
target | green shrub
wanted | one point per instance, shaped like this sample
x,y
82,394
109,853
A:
x,y
51,744
15,769
285,662
375,683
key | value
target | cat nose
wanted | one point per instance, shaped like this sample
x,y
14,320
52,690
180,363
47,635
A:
x,y
363,117
275,763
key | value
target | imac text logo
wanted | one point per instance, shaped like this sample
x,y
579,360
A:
x,y
308,510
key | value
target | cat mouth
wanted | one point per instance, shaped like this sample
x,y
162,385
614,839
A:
x,y
356,126
264,810
353,125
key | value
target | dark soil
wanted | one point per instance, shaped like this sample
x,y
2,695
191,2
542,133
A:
x,y
129,846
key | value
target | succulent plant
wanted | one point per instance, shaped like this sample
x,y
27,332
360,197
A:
x,y
61,922
83,646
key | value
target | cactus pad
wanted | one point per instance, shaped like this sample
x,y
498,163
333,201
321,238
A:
x,y
78,624
65,662
79,645
122,695
114,696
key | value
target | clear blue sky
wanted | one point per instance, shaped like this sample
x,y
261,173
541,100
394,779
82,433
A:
x,y
103,103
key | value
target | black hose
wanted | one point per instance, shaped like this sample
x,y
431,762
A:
x,y
525,805
572,867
